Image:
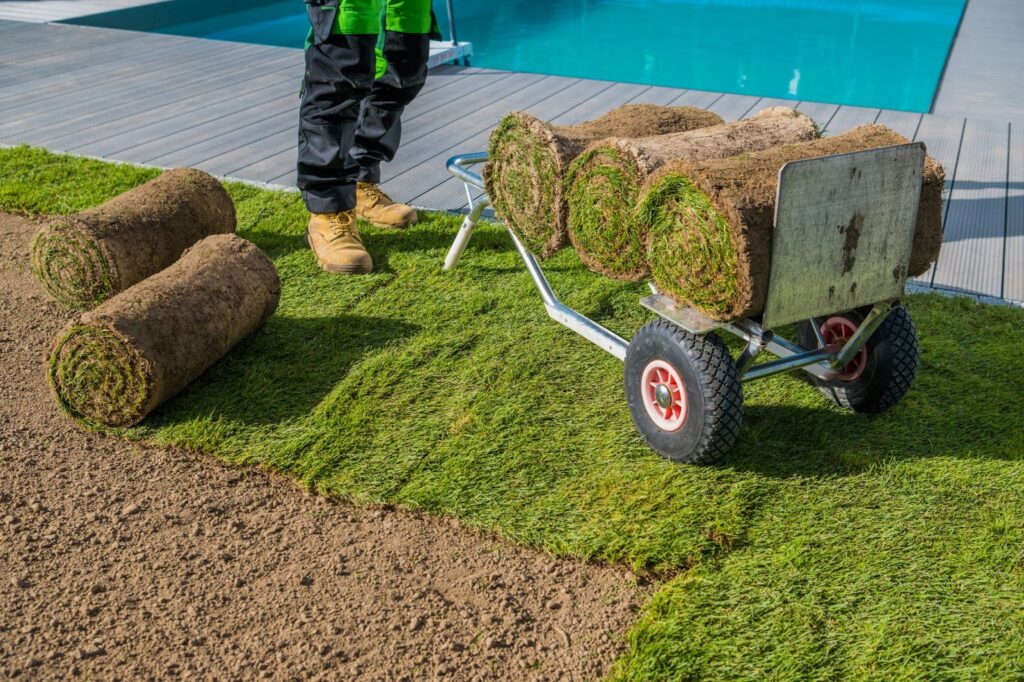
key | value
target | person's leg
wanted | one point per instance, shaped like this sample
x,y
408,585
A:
x,y
339,75
380,120
379,130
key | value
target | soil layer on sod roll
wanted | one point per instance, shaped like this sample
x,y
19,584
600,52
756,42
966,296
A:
x,y
602,186
84,259
528,159
114,365
710,222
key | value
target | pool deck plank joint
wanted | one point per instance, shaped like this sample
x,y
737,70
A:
x,y
123,96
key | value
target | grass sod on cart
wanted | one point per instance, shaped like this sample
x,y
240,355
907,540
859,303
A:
x,y
712,221
532,156
603,184
826,544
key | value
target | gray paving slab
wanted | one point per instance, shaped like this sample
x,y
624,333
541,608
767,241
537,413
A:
x,y
903,122
734,107
971,258
984,76
847,118
1013,263
820,112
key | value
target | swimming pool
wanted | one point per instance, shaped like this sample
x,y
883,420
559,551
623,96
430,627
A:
x,y
875,53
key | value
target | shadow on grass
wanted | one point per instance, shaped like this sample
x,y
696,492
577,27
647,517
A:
x,y
784,441
430,235
284,371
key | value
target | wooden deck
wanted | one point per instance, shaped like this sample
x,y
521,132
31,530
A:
x,y
58,10
984,77
231,109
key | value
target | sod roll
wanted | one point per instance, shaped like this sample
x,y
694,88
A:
x,y
529,157
114,364
602,185
710,222
84,259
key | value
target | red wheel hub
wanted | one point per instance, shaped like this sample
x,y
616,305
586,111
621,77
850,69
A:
x,y
664,395
837,332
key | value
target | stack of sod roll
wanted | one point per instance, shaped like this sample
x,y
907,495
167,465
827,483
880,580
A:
x,y
178,291
710,222
529,158
688,202
603,184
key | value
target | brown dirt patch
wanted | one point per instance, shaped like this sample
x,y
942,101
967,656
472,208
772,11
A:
x,y
123,560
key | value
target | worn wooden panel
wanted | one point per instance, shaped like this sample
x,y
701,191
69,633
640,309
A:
x,y
147,137
972,250
65,108
96,74
57,10
983,77
1013,265
139,125
844,225
179,96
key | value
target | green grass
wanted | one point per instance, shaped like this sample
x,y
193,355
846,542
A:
x,y
827,545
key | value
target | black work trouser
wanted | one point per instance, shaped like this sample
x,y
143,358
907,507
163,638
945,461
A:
x,y
348,122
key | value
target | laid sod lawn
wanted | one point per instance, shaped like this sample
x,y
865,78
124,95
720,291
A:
x,y
827,545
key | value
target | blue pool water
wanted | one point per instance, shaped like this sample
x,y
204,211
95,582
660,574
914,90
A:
x,y
877,53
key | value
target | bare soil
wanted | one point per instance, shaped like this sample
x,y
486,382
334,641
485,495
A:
x,y
121,560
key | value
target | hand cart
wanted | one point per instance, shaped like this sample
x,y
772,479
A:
x,y
840,250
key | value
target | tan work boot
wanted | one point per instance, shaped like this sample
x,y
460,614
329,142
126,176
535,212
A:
x,y
335,241
374,205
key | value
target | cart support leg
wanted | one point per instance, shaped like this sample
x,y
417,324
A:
x,y
465,233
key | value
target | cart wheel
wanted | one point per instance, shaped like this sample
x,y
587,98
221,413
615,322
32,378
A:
x,y
683,393
882,371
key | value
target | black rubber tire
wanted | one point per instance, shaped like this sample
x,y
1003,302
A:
x,y
893,359
713,392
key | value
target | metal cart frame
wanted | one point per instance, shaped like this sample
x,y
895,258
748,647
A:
x,y
863,205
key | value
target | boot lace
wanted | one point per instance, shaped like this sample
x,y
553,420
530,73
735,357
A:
x,y
375,194
341,225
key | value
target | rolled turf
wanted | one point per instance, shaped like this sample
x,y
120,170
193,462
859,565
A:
x,y
84,259
114,365
710,222
602,185
529,157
